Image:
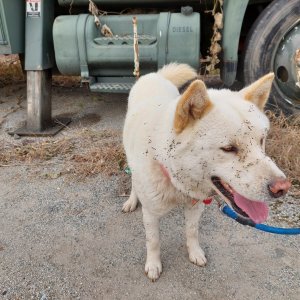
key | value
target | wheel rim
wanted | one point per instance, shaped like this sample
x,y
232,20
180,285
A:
x,y
286,66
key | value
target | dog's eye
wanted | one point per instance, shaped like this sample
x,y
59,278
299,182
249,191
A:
x,y
261,141
230,148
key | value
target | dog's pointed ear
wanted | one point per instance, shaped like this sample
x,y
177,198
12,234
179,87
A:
x,y
259,91
193,104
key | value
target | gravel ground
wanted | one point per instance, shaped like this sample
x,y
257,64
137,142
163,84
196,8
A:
x,y
67,239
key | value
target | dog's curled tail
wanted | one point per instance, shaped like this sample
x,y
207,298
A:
x,y
178,74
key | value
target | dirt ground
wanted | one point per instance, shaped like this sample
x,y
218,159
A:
x,y
63,236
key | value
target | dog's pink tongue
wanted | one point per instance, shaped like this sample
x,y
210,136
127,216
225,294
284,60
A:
x,y
257,211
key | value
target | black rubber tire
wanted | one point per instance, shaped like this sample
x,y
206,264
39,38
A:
x,y
262,43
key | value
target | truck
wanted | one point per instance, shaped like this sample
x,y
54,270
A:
x,y
109,43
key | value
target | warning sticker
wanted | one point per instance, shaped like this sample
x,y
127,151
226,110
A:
x,y
33,8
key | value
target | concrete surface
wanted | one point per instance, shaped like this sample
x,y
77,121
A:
x,y
67,239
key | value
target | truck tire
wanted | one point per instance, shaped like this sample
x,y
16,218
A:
x,y
271,46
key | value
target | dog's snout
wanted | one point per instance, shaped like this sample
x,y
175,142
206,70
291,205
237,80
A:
x,y
279,187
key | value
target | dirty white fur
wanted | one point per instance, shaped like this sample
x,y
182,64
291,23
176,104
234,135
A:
x,y
191,157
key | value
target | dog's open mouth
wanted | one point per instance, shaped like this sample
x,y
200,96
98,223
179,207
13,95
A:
x,y
255,210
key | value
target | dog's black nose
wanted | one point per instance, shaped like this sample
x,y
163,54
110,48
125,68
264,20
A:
x,y
279,187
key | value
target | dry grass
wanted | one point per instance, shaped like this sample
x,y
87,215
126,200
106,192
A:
x,y
97,152
10,70
28,151
85,153
66,81
108,159
283,145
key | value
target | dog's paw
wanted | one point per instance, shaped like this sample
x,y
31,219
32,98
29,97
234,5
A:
x,y
153,270
130,205
197,257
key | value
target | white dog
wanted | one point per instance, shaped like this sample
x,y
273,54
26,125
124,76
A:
x,y
183,148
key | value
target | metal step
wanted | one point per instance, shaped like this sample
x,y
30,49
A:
x,y
112,85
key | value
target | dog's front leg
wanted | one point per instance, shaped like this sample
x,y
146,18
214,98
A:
x,y
153,267
192,216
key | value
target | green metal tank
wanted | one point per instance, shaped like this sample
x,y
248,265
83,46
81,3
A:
x,y
81,49
163,38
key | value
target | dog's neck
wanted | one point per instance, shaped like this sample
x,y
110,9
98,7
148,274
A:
x,y
166,174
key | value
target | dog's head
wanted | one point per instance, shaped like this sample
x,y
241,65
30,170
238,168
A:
x,y
220,143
